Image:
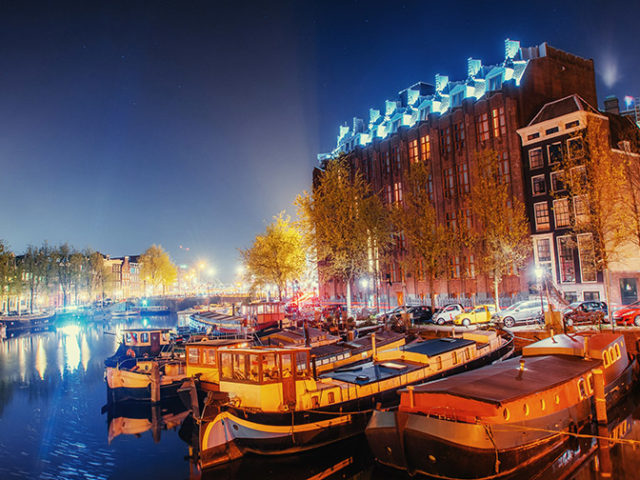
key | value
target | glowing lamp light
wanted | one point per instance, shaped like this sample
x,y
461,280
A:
x,y
539,271
628,101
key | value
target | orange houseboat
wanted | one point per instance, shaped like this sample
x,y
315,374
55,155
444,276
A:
x,y
255,318
493,421
275,404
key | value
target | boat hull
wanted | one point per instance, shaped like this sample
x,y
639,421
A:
x,y
124,385
450,449
235,431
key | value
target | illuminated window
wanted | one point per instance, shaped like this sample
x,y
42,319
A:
x,y
590,382
454,357
582,390
387,163
194,355
557,399
209,356
535,158
567,263
561,213
463,178
543,404
467,354
606,359
538,185
506,414
388,194
470,266
413,151
541,211
525,409
454,272
498,123
482,127
332,397
425,147
395,153
617,348
439,363
144,338
397,192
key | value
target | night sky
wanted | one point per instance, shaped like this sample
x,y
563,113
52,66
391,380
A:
x,y
193,123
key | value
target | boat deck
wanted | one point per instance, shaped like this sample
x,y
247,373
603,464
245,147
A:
x,y
372,372
437,346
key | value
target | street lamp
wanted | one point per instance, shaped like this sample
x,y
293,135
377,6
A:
x,y
364,284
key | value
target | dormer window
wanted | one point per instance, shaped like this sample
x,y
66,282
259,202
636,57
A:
x,y
456,100
550,131
533,136
495,83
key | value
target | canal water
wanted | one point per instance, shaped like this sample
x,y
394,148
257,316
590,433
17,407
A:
x,y
53,424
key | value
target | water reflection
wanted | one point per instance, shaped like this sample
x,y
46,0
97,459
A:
x,y
52,391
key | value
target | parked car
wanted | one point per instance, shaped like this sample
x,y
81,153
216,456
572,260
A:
x,y
447,313
628,315
480,314
587,312
523,312
420,314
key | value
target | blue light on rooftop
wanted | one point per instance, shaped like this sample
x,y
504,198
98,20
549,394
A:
x,y
416,102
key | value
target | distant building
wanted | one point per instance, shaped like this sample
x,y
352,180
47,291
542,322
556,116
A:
x,y
125,276
447,124
631,108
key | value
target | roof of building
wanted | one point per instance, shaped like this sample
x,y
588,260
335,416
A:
x,y
563,106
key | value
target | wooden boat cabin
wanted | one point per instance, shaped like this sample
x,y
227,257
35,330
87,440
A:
x,y
261,315
297,337
140,343
202,360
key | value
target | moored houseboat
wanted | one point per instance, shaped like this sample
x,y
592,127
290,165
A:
x,y
26,321
276,405
491,422
256,318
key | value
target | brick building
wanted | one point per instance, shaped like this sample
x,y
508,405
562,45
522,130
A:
x,y
447,124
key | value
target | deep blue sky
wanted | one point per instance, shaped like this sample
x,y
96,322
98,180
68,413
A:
x,y
194,122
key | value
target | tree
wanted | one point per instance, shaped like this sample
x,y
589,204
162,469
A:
x,y
100,275
36,265
335,223
63,269
276,257
428,241
595,178
156,267
502,235
6,271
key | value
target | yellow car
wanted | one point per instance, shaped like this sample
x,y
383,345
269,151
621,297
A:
x,y
479,314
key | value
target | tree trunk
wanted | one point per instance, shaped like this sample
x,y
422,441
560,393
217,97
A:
x,y
31,300
496,295
348,297
432,294
606,295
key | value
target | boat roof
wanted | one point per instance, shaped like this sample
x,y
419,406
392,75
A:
x,y
571,345
372,372
208,342
437,346
501,382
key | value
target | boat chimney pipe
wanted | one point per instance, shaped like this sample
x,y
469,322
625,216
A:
x,y
374,350
314,369
586,348
600,398
412,400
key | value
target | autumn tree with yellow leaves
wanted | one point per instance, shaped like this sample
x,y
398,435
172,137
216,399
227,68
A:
x,y
276,257
342,222
501,236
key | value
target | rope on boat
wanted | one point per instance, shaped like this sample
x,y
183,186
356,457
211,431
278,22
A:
x,y
627,441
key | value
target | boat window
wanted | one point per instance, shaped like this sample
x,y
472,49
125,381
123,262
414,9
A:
x,y
225,362
302,364
590,382
439,363
612,353
131,338
287,365
332,397
618,354
606,359
582,389
454,356
467,354
193,355
165,337
543,404
254,368
557,399
209,357
239,366
270,370
506,414
525,409
144,338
